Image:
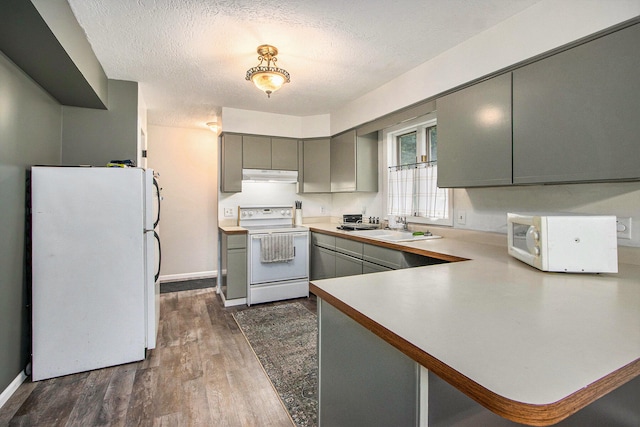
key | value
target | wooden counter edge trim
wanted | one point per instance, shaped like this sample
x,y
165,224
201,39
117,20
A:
x,y
526,413
239,231
423,252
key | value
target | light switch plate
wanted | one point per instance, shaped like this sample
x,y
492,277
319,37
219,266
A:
x,y
461,217
228,212
623,226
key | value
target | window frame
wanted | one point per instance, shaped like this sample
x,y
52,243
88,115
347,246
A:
x,y
389,136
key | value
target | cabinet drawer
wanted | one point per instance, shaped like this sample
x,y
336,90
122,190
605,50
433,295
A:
x,y
323,240
236,241
349,247
383,256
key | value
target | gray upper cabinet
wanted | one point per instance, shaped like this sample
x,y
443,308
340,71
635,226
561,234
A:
x,y
256,152
474,135
343,162
314,173
354,162
284,154
230,163
265,152
576,114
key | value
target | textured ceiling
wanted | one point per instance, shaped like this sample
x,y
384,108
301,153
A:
x,y
190,56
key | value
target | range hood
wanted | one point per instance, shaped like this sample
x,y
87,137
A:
x,y
263,175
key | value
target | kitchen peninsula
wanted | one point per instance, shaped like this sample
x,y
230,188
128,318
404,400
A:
x,y
458,343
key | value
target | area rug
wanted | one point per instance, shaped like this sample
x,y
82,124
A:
x,y
284,338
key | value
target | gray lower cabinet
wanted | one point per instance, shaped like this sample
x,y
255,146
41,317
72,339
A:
x,y
230,163
323,263
354,162
314,173
347,265
363,381
338,257
349,247
474,135
234,265
575,114
386,257
322,260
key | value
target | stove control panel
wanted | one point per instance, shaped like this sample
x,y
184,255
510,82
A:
x,y
265,213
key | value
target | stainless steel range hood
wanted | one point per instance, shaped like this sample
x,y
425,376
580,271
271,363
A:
x,y
262,175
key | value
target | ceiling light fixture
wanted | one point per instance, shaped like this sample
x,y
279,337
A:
x,y
213,126
267,78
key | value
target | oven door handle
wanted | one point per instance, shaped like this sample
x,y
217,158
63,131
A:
x,y
295,234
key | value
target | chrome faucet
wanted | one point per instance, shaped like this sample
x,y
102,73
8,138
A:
x,y
402,220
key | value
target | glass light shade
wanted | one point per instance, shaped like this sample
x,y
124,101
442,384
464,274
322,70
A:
x,y
268,82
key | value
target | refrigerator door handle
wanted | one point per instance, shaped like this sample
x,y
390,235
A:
x,y
157,221
157,275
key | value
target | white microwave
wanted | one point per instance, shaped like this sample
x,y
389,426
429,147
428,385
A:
x,y
571,243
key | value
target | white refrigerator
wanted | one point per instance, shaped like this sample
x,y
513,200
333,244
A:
x,y
95,264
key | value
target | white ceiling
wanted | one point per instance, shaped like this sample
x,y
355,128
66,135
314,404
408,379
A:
x,y
191,56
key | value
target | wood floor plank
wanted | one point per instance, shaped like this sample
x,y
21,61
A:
x,y
15,402
219,393
170,329
141,404
87,407
64,400
196,409
113,411
37,401
258,404
170,420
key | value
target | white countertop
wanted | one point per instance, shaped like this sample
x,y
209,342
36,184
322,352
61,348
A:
x,y
526,335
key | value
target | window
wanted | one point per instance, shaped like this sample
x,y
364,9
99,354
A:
x,y
407,149
413,172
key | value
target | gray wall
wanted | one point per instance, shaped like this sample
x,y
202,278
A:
x,y
30,128
94,137
62,22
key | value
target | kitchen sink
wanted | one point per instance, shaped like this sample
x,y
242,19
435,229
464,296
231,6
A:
x,y
393,235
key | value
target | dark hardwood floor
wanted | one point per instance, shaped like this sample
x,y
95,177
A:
x,y
203,373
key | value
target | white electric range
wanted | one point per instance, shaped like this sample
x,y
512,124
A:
x,y
277,254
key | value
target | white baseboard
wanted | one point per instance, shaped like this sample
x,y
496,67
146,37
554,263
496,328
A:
x,y
8,392
188,276
232,302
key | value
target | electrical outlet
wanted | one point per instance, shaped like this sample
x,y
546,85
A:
x,y
228,212
323,210
461,217
623,226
